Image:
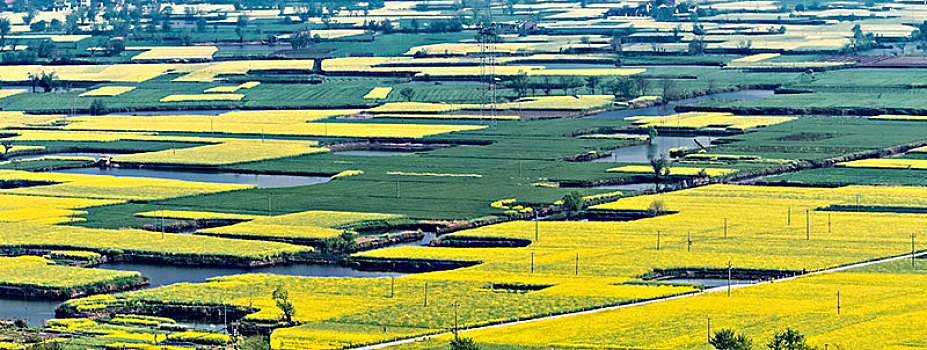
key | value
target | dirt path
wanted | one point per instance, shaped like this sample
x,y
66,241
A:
x,y
616,307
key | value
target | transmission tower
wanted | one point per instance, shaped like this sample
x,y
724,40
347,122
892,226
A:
x,y
488,79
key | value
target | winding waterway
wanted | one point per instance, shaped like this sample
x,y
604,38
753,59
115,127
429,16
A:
x,y
36,312
259,180
660,146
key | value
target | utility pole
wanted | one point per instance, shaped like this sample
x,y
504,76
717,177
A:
x,y
725,227
709,329
838,302
808,224
392,287
426,294
577,265
828,223
536,226
689,242
532,262
912,250
658,239
162,222
456,318
790,217
729,279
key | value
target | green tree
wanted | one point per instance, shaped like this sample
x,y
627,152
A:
x,y
5,29
727,339
520,84
282,299
301,39
49,81
463,343
573,202
30,15
7,145
408,93
592,81
346,242
620,87
860,41
114,46
97,107
661,166
200,24
669,90
789,339
240,24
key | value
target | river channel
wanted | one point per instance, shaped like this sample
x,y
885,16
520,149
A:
x,y
36,312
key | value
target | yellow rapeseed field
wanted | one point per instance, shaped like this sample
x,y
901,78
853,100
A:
x,y
378,93
195,215
12,119
675,170
173,52
134,241
203,97
413,107
889,303
755,58
117,73
45,210
893,163
900,117
227,152
206,72
305,225
109,187
698,120
706,215
448,116
263,122
432,174
231,89
10,92
108,91
249,122
36,271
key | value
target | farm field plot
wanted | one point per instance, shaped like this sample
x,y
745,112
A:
x,y
704,216
330,175
226,152
145,243
108,187
579,264
808,304
312,225
42,277
286,123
